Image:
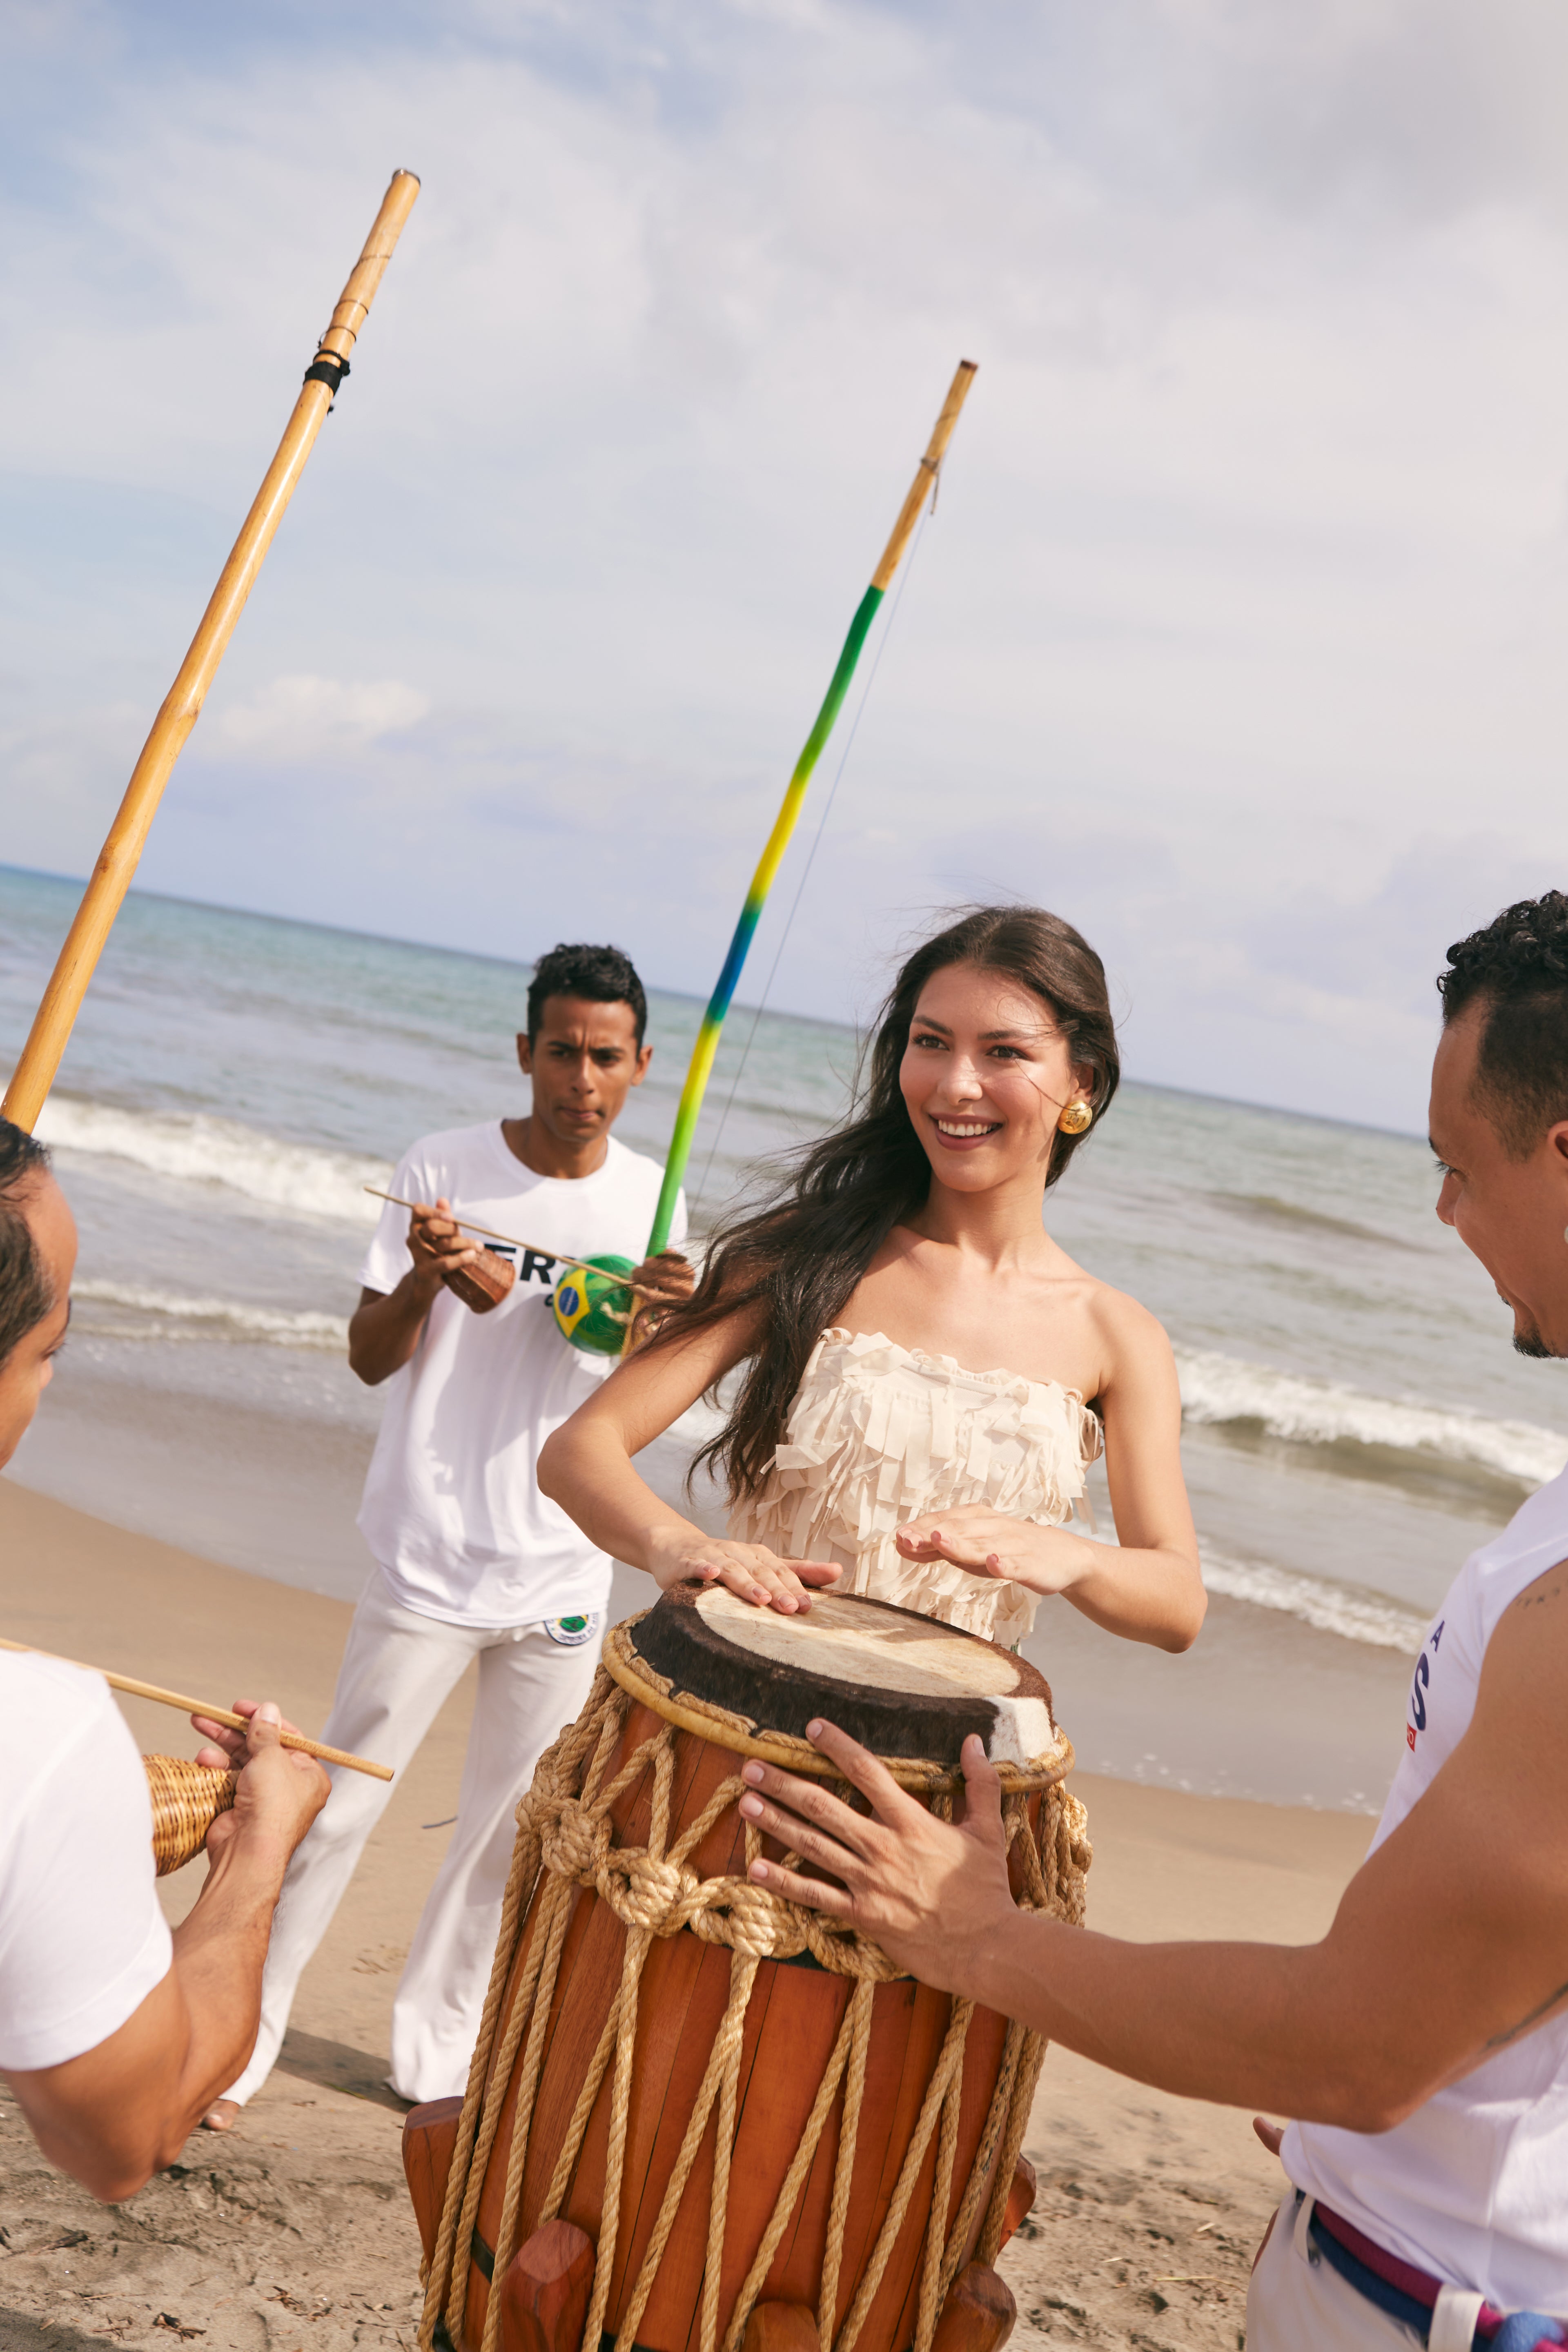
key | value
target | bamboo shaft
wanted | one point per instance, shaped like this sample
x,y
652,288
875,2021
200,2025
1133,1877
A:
x,y
925,479
121,854
134,1689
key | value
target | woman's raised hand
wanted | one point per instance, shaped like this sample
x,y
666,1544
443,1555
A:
x,y
987,1543
749,1570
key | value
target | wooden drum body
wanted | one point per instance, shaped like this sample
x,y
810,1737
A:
x,y
711,2102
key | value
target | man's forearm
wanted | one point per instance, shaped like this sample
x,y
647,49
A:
x,y
384,1332
1254,2025
220,1949
122,2111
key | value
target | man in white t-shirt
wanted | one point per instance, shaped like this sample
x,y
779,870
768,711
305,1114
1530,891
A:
x,y
472,1562
113,2033
1422,2045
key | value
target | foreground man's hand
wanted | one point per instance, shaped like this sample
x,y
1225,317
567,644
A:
x,y
280,1790
930,1893
123,2110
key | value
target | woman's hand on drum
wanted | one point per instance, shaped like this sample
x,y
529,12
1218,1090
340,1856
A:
x,y
749,1570
985,1542
930,1893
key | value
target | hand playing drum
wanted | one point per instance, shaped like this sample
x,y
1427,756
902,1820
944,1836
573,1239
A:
x,y
751,1572
931,1893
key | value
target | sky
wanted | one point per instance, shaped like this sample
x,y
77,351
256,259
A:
x,y
1236,637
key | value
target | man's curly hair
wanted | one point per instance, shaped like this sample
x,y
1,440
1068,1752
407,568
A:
x,y
1517,971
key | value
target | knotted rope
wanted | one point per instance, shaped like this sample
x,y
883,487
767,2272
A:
x,y
563,1842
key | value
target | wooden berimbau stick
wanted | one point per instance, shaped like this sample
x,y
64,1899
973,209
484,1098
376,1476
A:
x,y
119,857
466,1225
213,1714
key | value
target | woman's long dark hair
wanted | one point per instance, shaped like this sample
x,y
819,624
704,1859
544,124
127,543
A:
x,y
800,1256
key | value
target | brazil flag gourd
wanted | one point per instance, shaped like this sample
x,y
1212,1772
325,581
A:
x,y
591,1304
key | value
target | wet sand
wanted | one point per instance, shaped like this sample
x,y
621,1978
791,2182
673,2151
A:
x,y
295,2232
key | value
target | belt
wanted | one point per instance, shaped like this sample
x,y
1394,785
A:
x,y
1410,2296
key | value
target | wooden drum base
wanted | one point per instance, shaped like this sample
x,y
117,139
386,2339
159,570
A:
x,y
545,2293
737,2119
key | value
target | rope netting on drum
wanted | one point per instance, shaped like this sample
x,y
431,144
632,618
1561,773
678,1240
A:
x,y
565,1833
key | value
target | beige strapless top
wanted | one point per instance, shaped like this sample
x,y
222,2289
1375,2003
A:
x,y
878,1435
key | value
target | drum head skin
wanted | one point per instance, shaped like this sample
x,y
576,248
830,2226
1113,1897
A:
x,y
902,1685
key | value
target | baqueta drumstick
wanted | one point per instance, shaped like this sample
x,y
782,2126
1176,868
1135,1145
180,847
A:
x,y
213,1714
465,1225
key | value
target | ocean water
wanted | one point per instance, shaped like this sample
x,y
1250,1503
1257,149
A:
x,y
1355,1419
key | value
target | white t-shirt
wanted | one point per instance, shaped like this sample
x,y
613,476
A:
x,y
452,1509
82,1940
1473,2187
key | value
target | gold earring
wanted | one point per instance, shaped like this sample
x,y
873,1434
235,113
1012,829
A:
x,y
1075,1117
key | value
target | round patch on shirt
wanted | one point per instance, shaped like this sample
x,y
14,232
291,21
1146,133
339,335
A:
x,y
571,1632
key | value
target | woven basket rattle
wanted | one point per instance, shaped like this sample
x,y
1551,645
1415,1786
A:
x,y
187,1799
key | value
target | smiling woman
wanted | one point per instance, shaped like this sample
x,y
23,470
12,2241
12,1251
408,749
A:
x,y
928,1375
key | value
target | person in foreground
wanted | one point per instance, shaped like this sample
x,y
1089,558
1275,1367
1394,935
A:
x,y
113,2033
1422,2045
471,1564
931,1376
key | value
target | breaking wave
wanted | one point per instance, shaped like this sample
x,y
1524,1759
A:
x,y
224,1319
1218,1388
295,1180
1354,1615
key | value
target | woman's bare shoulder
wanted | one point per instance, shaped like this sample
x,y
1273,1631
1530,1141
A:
x,y
1131,1333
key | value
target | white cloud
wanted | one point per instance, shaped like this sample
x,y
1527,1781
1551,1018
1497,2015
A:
x,y
1239,627
303,718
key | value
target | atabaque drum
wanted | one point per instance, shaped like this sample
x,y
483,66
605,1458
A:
x,y
694,2105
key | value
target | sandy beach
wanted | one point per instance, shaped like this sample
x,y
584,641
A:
x,y
294,2234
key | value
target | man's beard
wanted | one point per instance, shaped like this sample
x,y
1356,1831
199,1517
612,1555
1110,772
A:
x,y
1531,1343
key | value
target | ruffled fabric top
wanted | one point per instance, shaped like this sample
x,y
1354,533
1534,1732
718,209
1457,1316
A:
x,y
879,1435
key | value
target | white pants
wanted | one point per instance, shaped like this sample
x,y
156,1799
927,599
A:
x,y
397,1670
1298,2303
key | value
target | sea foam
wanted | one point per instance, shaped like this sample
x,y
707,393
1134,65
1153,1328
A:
x,y
306,1181
188,1316
1341,1609
1218,1388
295,1180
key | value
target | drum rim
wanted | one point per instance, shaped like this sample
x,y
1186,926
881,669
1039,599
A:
x,y
715,1724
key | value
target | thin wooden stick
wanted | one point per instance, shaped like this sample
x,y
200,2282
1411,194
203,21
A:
x,y
213,1714
582,1264
121,854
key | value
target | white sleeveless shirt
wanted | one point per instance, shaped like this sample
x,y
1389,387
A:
x,y
1473,2187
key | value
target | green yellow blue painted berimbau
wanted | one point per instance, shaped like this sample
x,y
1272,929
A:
x,y
591,1304
707,1044
591,1307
